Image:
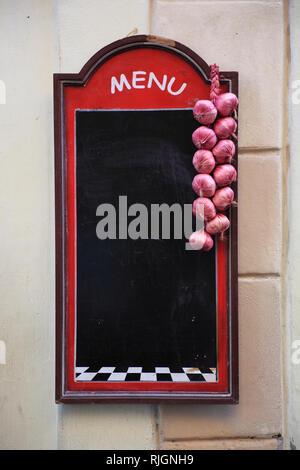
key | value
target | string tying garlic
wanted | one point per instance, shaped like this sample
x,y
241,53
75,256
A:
x,y
204,161
215,83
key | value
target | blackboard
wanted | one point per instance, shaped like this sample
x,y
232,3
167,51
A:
x,y
140,303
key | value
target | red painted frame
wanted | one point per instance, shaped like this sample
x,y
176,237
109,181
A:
x,y
84,91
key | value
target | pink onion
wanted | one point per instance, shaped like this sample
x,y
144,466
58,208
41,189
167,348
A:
x,y
204,161
204,138
225,128
226,103
224,175
224,151
204,185
205,112
207,211
201,240
223,198
218,224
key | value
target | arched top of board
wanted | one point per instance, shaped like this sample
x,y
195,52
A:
x,y
141,41
141,72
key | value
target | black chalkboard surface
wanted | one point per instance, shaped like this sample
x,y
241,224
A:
x,y
147,302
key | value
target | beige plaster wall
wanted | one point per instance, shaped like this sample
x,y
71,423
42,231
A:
x,y
39,37
293,272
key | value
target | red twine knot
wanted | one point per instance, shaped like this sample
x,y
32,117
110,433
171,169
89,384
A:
x,y
215,82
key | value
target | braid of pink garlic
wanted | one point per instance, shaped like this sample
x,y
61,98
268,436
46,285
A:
x,y
212,162
215,82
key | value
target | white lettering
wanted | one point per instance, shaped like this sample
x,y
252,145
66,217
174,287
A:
x,y
115,84
152,78
136,79
139,76
178,91
118,460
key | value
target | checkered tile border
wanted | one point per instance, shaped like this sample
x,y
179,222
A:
x,y
140,374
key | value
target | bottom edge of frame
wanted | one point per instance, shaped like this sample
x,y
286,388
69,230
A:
x,y
71,397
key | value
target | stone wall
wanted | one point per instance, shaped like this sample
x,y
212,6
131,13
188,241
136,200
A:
x,y
40,37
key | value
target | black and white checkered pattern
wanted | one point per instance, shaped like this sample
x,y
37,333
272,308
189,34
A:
x,y
142,374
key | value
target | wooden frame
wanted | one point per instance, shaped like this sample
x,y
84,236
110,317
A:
x,y
63,393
